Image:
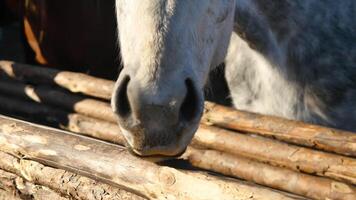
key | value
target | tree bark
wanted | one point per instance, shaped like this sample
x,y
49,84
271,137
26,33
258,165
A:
x,y
71,102
18,188
95,128
274,177
58,181
327,139
75,82
278,153
228,164
114,165
262,149
74,122
5,195
342,142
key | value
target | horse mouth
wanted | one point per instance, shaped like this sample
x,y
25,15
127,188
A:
x,y
155,157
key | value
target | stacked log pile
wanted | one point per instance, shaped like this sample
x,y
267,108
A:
x,y
283,159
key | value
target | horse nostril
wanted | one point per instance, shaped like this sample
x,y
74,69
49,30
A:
x,y
123,104
190,106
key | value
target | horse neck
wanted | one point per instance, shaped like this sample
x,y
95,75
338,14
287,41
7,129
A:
x,y
254,25
280,28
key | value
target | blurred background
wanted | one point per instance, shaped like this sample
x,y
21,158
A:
x,y
75,35
78,35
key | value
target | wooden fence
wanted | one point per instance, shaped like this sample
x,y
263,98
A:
x,y
280,159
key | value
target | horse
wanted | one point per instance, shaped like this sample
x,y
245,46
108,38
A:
x,y
290,58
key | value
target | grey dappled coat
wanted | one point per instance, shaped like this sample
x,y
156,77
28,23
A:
x,y
295,59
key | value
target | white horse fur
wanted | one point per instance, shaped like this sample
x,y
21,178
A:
x,y
289,58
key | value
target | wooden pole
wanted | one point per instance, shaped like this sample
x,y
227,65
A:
x,y
112,164
65,100
278,153
263,149
228,164
328,139
299,133
75,82
74,122
95,128
5,195
274,177
14,187
59,181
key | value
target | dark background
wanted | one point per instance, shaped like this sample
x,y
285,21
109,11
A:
x,y
72,35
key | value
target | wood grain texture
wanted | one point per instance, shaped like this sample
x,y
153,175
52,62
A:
x,y
323,138
15,187
259,148
225,163
75,82
114,165
277,153
21,172
275,177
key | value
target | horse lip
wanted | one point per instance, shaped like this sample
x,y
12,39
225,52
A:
x,y
155,157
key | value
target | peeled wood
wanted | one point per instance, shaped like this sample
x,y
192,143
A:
x,y
275,177
75,82
283,179
70,121
224,163
60,181
95,128
278,153
308,160
323,138
342,142
4,195
71,102
17,188
262,149
113,165
237,166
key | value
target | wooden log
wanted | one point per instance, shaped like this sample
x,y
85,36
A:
x,y
59,181
328,139
278,153
236,166
75,82
224,163
289,181
275,177
18,188
70,121
4,195
342,142
83,105
114,165
95,128
266,150
32,111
